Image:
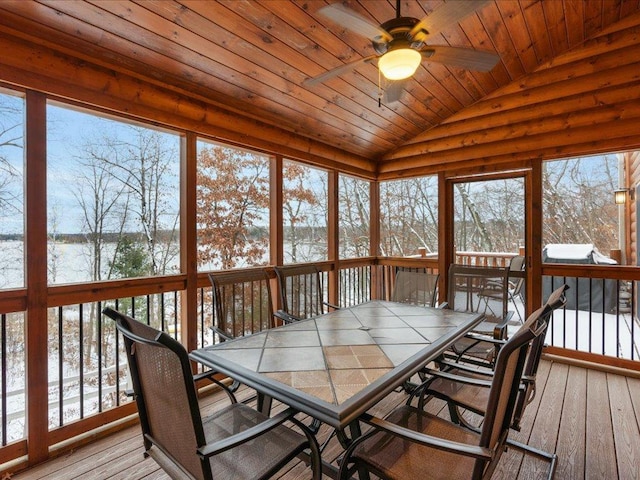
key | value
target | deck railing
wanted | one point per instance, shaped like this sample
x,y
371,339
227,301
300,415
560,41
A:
x,y
87,367
601,316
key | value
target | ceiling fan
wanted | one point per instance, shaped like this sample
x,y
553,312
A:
x,y
401,44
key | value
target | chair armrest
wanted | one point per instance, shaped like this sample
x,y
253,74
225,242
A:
x,y
210,375
239,438
500,330
331,305
456,378
474,451
223,335
480,337
286,317
475,369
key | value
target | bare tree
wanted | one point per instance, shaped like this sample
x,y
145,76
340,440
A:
x,y
408,216
103,204
11,138
144,167
471,231
11,196
123,183
577,201
354,213
298,203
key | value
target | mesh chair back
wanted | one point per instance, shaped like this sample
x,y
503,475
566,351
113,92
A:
x,y
556,300
418,288
164,391
479,289
506,381
301,290
242,302
517,265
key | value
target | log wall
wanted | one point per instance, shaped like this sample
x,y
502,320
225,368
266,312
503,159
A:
x,y
583,102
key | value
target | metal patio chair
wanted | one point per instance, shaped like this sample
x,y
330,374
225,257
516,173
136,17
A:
x,y
412,443
418,288
242,303
243,298
233,442
301,291
467,387
515,284
468,286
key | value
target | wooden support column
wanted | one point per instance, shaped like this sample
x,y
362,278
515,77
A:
x,y
36,277
276,223
446,248
189,240
374,238
533,193
333,236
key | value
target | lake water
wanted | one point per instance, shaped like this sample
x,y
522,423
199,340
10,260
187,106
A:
x,y
69,262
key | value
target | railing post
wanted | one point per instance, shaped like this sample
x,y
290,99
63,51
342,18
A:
x,y
189,242
36,278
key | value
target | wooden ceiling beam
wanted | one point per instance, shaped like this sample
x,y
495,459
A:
x,y
565,106
538,102
546,145
587,109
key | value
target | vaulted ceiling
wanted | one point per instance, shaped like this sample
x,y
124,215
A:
x,y
252,57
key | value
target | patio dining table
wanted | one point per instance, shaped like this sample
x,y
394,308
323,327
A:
x,y
336,366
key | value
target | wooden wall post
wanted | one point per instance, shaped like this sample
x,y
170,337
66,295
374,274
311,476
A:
x,y
333,236
374,238
446,248
37,394
276,223
189,240
533,194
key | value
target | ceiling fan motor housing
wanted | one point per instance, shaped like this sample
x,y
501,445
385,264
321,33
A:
x,y
399,29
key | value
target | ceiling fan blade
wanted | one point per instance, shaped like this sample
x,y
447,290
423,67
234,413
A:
x,y
393,90
467,58
443,16
355,22
334,72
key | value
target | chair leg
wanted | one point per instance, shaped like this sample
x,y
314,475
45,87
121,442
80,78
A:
x,y
314,426
551,457
515,305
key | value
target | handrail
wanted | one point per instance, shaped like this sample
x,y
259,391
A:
x,y
369,277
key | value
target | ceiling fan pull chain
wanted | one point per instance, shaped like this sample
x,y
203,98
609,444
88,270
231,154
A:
x,y
379,89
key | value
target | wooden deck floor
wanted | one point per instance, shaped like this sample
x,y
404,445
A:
x,y
589,418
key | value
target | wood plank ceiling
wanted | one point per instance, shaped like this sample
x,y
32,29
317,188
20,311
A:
x,y
251,57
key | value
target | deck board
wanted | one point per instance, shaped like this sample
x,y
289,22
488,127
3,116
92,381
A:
x,y
625,430
511,461
572,433
601,461
544,432
590,418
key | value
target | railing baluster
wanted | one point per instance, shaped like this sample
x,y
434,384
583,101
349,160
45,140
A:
x,y
81,359
3,346
99,348
60,368
632,305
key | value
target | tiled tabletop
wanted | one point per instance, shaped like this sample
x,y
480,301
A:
x,y
337,365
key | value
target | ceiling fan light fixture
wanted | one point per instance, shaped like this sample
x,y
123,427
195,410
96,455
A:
x,y
399,63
